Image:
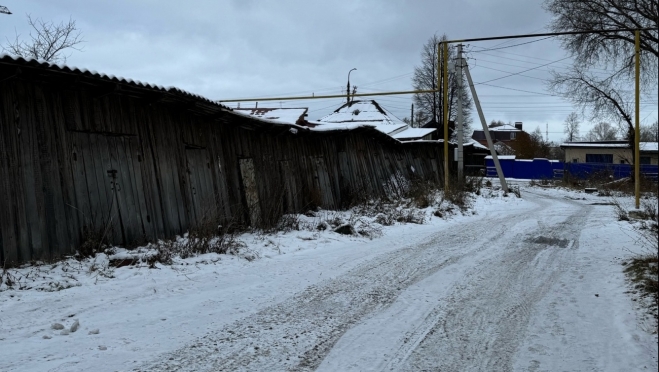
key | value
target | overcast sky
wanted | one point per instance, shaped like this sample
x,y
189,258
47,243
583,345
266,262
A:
x,y
246,49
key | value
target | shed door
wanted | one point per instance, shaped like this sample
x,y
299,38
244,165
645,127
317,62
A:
x,y
250,190
200,186
108,186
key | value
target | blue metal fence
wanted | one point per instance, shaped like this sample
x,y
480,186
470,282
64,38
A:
x,y
585,170
547,169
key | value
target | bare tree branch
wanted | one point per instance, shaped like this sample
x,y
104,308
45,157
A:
x,y
47,40
606,48
602,132
611,97
571,127
430,105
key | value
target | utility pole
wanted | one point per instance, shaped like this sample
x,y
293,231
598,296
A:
x,y
348,87
495,157
445,112
637,111
460,118
412,117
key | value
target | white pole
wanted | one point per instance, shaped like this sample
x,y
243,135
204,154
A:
x,y
497,165
458,76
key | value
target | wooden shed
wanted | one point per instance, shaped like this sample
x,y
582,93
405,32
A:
x,y
85,152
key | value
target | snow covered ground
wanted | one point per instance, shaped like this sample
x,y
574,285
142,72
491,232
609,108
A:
x,y
531,284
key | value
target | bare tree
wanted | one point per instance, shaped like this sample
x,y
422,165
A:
x,y
496,123
571,127
529,146
47,40
606,97
431,105
602,132
650,133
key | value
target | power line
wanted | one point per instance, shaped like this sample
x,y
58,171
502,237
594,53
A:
x,y
512,40
529,62
387,79
521,90
517,73
324,108
527,76
510,46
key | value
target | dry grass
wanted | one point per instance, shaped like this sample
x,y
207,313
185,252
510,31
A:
x,y
643,272
643,269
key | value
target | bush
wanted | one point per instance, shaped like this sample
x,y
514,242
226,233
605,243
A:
x,y
421,193
289,222
460,189
93,241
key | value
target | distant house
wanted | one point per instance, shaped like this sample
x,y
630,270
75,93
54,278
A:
x,y
506,134
609,152
474,157
439,133
370,113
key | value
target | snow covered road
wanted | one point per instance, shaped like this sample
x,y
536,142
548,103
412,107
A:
x,y
524,285
461,300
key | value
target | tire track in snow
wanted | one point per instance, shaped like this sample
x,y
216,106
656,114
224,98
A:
x,y
299,332
484,320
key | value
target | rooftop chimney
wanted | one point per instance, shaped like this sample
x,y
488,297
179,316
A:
x,y
518,125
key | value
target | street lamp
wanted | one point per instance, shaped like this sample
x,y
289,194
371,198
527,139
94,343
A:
x,y
348,86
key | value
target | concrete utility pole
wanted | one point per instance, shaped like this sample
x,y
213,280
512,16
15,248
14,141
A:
x,y
445,112
412,116
495,157
458,76
637,111
348,86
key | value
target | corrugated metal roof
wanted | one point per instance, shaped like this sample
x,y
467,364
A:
x,y
62,68
20,61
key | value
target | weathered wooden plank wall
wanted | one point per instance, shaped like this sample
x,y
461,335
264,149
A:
x,y
79,158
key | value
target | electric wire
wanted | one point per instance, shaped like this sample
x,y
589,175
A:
x,y
512,46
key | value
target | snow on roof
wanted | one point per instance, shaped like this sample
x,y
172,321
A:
x,y
280,115
503,157
595,144
361,112
337,126
649,146
644,146
476,145
71,69
504,128
384,128
413,133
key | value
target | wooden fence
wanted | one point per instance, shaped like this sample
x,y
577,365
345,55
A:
x,y
81,153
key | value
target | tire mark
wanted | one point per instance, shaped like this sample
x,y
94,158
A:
x,y
484,321
299,332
